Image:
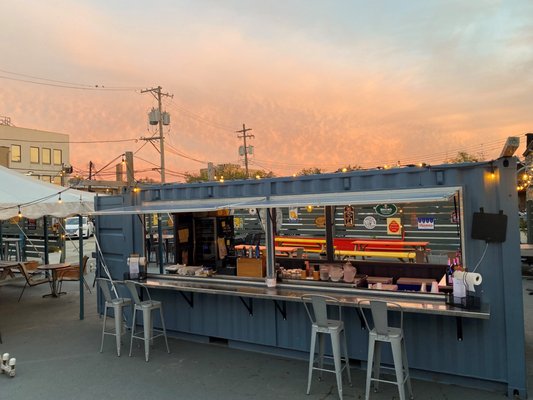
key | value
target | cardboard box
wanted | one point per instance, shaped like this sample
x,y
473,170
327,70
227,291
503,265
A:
x,y
252,267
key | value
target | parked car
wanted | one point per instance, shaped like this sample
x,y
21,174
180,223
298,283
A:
x,y
72,227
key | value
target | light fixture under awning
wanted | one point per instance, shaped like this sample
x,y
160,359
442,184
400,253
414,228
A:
x,y
298,200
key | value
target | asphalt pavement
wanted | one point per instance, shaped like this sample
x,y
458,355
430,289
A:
x,y
58,358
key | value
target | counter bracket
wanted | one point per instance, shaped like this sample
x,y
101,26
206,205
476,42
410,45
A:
x,y
361,319
190,301
282,309
249,306
459,323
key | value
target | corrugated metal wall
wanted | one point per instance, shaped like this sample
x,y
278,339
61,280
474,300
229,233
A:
x,y
492,350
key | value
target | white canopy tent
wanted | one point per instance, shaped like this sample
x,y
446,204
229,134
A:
x,y
35,199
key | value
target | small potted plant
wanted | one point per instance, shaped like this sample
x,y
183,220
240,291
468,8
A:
x,y
54,255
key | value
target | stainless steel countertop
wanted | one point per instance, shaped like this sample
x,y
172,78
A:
x,y
348,295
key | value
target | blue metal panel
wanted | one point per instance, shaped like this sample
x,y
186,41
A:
x,y
492,350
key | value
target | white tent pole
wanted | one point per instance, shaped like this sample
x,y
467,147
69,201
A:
x,y
104,266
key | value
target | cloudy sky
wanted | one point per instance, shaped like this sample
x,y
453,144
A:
x,y
321,83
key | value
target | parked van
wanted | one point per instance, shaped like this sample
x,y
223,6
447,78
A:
x,y
72,227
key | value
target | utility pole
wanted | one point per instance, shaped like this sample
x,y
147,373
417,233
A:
x,y
244,137
156,92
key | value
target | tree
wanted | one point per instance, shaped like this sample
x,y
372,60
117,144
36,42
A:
x,y
349,168
227,172
464,157
309,171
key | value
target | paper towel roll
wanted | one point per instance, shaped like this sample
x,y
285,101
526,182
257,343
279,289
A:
x,y
469,278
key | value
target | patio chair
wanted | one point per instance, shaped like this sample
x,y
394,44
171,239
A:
x,y
30,272
72,274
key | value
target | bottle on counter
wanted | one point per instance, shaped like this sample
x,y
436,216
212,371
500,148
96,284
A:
x,y
316,273
449,273
257,251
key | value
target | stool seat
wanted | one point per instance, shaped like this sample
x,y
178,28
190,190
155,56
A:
x,y
320,326
117,304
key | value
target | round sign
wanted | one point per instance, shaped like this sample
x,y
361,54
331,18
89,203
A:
x,y
386,210
320,221
369,222
394,227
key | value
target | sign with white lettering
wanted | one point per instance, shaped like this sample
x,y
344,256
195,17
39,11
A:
x,y
386,210
426,223
394,226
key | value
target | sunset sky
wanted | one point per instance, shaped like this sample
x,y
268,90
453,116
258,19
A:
x,y
321,83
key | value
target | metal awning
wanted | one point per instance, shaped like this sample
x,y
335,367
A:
x,y
180,206
298,200
359,198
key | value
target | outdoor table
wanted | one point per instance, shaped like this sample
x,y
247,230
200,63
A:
x,y
54,268
392,245
154,241
6,269
361,245
280,250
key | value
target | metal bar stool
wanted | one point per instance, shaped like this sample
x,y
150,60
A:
x,y
321,325
117,304
382,332
146,306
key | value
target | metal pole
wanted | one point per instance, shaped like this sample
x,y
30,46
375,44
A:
x,y
80,237
244,136
45,229
160,241
161,138
270,251
330,249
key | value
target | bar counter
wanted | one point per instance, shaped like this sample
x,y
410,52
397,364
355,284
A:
x,y
292,290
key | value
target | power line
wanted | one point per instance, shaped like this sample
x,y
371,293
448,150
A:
x,y
101,88
200,118
64,84
72,142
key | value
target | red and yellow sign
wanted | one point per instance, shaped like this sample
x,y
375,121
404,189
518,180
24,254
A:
x,y
394,226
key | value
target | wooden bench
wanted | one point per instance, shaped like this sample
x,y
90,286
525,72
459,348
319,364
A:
x,y
401,255
309,245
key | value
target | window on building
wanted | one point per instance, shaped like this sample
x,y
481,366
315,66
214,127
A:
x,y
15,153
58,157
47,156
57,180
34,155
46,178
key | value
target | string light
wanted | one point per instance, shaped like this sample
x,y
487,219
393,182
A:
x,y
59,200
309,208
20,213
123,160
